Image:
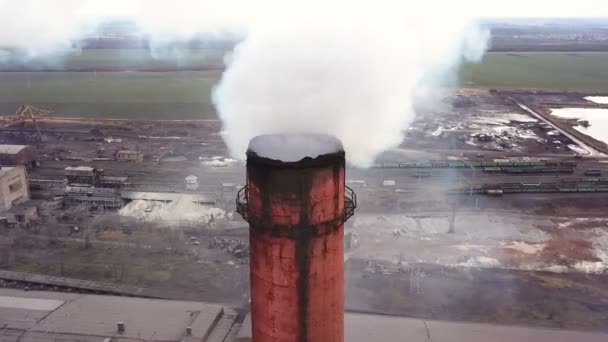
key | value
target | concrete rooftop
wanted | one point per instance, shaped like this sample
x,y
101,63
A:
x,y
11,149
48,316
52,316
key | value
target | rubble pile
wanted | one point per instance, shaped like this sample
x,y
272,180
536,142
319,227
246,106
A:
x,y
233,246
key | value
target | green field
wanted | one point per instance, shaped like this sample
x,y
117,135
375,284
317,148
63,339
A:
x,y
540,70
186,94
120,60
135,95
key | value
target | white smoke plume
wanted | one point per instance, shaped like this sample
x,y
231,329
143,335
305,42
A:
x,y
40,27
353,69
49,27
346,68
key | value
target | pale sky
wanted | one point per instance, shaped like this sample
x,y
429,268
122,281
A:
x,y
243,8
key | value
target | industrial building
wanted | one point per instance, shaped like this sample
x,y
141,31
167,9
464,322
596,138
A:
x,y
14,188
88,186
92,177
130,155
106,198
36,316
47,316
19,216
81,175
18,155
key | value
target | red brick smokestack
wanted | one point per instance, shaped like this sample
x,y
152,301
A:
x,y
296,211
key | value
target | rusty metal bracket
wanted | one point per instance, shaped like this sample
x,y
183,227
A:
x,y
350,204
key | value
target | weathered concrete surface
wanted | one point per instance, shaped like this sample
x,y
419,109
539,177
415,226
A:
x,y
365,328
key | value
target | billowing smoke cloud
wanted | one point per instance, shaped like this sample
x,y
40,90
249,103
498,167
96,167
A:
x,y
36,27
50,27
352,69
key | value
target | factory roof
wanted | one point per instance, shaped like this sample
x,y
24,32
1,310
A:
x,y
46,316
5,169
37,316
12,149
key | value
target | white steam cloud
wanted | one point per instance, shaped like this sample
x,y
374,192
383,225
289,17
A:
x,y
49,27
346,68
40,27
353,69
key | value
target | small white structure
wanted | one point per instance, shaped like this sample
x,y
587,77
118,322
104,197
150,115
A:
x,y
389,182
192,182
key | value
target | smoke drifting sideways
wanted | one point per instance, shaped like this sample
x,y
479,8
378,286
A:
x,y
46,29
352,69
33,28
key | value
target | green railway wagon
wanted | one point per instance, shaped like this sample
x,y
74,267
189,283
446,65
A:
x,y
474,164
593,172
492,169
439,164
513,170
475,191
511,185
422,174
456,164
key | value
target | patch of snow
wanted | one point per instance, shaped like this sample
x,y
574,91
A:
x,y
521,117
467,247
175,159
578,149
481,261
503,119
597,118
437,132
591,267
524,247
294,147
218,161
597,99
487,120
556,269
